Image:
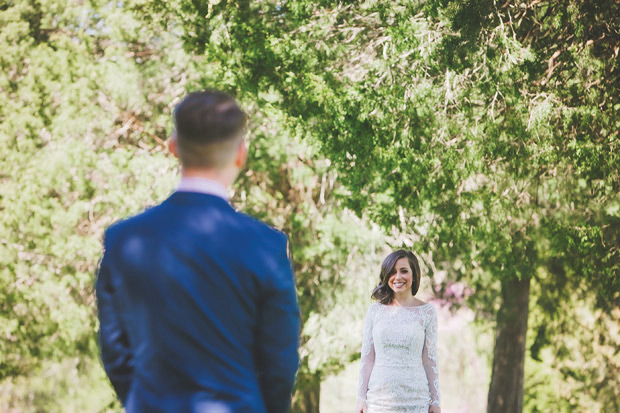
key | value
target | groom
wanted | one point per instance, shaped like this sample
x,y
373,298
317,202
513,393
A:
x,y
196,301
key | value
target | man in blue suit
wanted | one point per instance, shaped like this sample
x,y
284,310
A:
x,y
197,301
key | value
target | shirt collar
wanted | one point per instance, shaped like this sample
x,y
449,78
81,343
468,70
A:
x,y
202,186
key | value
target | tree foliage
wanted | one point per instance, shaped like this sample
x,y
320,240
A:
x,y
459,111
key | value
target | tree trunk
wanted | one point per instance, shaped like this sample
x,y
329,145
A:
x,y
307,397
506,389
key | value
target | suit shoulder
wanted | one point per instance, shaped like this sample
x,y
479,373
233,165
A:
x,y
263,229
129,224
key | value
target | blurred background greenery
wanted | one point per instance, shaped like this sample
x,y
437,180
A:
x,y
483,136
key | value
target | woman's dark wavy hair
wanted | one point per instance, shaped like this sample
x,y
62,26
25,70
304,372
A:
x,y
382,292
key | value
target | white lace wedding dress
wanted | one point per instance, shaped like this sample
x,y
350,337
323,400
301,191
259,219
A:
x,y
399,370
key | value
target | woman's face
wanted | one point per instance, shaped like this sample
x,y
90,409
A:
x,y
401,278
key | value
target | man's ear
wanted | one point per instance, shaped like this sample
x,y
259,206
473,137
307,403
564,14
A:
x,y
173,145
242,154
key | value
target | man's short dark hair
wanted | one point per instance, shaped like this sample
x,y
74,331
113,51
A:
x,y
208,127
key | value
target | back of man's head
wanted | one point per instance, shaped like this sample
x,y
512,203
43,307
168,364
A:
x,y
209,127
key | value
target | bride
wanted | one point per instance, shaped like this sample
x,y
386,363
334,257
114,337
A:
x,y
399,370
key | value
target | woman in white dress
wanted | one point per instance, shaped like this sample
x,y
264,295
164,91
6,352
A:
x,y
399,370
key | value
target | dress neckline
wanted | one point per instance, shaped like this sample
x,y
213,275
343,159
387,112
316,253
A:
x,y
401,306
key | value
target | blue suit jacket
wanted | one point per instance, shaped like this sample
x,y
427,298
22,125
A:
x,y
197,310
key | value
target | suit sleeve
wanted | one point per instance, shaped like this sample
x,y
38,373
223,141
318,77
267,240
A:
x,y
278,336
113,339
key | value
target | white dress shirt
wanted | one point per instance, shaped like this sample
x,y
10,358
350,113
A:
x,y
203,186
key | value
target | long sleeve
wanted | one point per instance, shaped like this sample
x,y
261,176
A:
x,y
429,357
116,353
278,338
367,360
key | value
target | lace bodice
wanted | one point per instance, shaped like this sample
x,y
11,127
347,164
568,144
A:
x,y
399,368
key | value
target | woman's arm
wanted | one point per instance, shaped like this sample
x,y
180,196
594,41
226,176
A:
x,y
367,361
429,357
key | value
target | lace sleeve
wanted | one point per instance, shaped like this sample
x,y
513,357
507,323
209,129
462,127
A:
x,y
429,357
367,360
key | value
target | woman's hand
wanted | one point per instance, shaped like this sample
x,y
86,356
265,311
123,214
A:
x,y
361,407
434,409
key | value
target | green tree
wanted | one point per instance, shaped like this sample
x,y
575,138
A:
x,y
558,123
